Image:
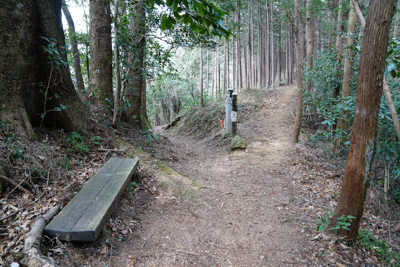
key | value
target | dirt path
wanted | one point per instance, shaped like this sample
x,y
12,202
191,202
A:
x,y
249,197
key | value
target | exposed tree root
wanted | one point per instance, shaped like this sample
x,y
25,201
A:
x,y
33,257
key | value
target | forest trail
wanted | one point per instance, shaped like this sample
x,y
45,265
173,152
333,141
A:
x,y
248,194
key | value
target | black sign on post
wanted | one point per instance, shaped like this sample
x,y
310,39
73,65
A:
x,y
234,114
228,109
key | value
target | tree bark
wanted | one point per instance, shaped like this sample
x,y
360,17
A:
x,y
253,67
339,47
136,85
280,52
208,74
239,52
299,63
101,85
116,63
396,27
346,91
259,70
80,86
363,136
386,90
249,69
26,73
310,41
318,33
227,59
272,45
267,51
201,75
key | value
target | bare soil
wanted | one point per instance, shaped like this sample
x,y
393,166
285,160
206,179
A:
x,y
248,194
250,207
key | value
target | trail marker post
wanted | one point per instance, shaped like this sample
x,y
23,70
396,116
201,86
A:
x,y
228,109
234,114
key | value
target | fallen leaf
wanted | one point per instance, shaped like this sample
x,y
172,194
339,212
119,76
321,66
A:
x,y
103,250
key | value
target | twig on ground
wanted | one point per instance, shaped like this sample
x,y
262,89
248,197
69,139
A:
x,y
16,184
144,244
9,216
9,205
187,252
322,207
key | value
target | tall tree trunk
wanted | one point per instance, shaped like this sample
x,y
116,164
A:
x,y
136,85
386,90
117,71
25,68
299,73
234,65
208,74
310,41
267,51
219,73
100,85
212,74
318,34
287,53
201,75
246,81
272,44
259,70
396,27
253,65
249,70
225,68
80,86
239,52
280,52
227,58
346,91
363,136
339,47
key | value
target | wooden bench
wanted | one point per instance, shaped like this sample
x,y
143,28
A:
x,y
84,217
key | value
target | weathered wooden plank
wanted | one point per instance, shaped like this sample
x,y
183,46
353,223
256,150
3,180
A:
x,y
85,215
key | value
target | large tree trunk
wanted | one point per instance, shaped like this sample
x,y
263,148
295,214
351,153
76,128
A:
x,y
363,136
136,87
299,73
80,86
29,83
100,85
386,90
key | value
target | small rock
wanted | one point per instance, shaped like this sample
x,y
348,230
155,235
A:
x,y
124,232
237,142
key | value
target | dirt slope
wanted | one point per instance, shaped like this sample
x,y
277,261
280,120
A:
x,y
248,197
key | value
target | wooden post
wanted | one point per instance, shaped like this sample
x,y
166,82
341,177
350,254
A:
x,y
228,109
234,114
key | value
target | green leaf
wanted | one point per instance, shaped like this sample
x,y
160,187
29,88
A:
x,y
151,3
175,5
164,22
170,2
185,3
